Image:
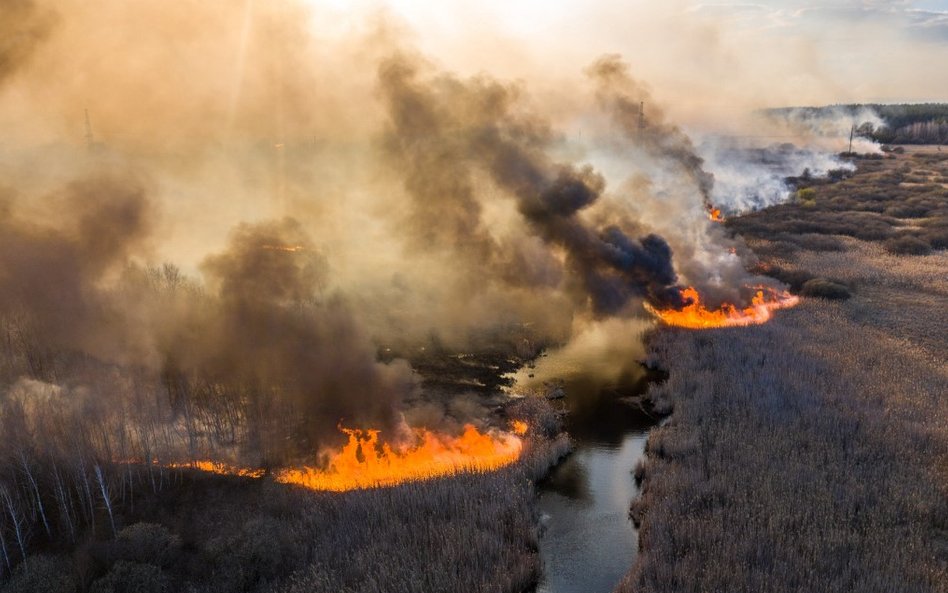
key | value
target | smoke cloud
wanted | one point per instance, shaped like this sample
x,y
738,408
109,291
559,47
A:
x,y
448,130
24,26
51,270
625,100
326,201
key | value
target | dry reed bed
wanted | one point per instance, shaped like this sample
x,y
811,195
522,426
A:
x,y
811,453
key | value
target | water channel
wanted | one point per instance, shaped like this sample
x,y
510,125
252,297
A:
x,y
589,542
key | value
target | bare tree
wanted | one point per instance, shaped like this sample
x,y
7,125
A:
x,y
16,518
106,498
35,488
64,501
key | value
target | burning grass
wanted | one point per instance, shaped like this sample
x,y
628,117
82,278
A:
x,y
367,462
223,529
364,462
696,315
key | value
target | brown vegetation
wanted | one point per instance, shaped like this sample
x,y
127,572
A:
x,y
810,453
902,200
207,533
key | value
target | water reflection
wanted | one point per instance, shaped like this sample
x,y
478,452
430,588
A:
x,y
589,541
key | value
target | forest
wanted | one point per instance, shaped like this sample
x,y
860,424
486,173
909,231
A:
x,y
904,123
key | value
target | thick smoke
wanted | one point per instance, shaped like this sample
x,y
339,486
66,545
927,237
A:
x,y
24,25
289,360
51,271
276,330
660,180
625,100
448,130
749,176
751,168
827,127
320,202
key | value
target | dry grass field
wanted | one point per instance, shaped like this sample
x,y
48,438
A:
x,y
811,453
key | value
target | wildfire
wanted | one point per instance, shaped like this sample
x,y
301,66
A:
x,y
715,214
286,248
364,462
216,467
696,316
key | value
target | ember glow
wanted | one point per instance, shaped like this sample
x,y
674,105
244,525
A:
x,y
224,469
286,248
364,462
696,316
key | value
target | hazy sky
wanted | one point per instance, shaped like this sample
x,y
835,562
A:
x,y
713,54
217,60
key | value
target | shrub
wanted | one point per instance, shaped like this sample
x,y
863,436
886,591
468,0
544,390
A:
x,y
261,550
793,277
794,468
816,242
778,249
907,211
936,236
907,245
42,574
538,414
825,289
146,543
133,577
807,194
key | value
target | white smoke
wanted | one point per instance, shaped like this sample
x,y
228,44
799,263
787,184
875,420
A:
x,y
750,169
748,177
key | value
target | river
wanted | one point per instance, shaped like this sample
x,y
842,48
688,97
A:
x,y
589,542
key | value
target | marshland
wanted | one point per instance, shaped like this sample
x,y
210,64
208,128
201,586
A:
x,y
306,296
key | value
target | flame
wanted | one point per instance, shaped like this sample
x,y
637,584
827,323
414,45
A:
x,y
715,214
217,467
696,316
287,248
365,463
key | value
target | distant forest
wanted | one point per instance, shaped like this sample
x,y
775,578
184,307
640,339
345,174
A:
x,y
909,123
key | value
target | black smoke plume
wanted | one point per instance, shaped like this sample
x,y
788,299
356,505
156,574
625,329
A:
x,y
258,360
51,272
300,353
455,131
625,99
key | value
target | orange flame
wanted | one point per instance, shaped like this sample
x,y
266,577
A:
x,y
217,467
286,248
715,214
365,463
697,316
519,427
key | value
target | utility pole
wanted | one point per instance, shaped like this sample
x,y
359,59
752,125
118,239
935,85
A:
x,y
642,115
852,130
90,141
